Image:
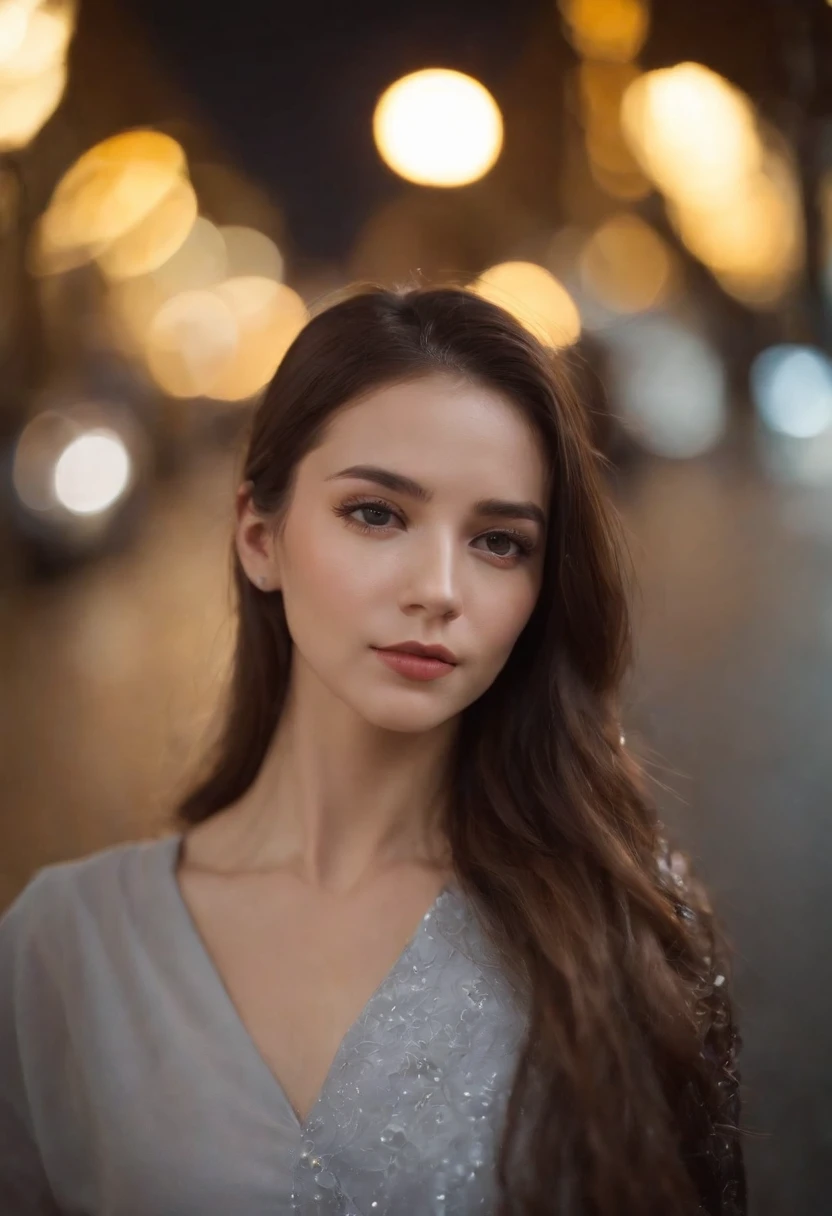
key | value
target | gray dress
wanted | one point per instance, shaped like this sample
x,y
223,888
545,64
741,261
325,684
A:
x,y
129,1085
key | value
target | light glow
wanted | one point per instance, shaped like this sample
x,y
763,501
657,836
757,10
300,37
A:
x,y
92,472
535,297
438,128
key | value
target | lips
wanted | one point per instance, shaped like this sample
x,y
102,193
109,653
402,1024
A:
x,y
422,651
414,666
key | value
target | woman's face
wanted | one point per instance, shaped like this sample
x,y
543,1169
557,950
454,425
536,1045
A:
x,y
404,567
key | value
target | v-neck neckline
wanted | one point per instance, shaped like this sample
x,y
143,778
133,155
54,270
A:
x,y
169,855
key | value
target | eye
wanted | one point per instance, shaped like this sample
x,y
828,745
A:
x,y
375,508
374,511
510,538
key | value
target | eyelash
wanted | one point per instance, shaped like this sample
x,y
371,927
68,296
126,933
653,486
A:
x,y
346,509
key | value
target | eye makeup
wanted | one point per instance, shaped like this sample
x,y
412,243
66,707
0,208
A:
x,y
347,509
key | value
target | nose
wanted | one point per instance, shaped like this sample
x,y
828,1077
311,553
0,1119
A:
x,y
433,577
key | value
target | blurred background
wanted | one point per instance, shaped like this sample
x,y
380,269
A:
x,y
648,186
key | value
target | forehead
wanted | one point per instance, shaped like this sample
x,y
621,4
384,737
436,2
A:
x,y
440,429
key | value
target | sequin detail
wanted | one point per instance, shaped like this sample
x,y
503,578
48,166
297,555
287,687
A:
x,y
410,1118
716,1158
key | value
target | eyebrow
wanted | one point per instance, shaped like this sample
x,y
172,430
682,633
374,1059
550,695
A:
x,y
398,483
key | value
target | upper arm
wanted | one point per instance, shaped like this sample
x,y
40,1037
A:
x,y
24,1187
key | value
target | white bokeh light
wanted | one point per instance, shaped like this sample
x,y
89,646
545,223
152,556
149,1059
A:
x,y
92,472
438,127
670,386
792,389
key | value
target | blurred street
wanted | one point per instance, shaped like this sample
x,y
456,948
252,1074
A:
x,y
646,186
110,678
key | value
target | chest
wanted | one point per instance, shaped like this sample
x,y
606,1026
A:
x,y
299,970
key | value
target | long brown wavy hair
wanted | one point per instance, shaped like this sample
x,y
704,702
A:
x,y
623,1102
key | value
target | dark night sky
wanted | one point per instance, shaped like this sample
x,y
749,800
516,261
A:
x,y
291,88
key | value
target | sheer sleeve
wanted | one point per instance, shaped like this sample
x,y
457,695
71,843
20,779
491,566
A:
x,y
717,1160
24,1187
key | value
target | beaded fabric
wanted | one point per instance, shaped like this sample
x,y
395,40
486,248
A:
x,y
713,1148
410,1117
445,1031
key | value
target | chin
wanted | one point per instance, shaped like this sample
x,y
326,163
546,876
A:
x,y
404,719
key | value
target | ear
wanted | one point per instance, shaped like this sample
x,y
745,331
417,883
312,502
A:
x,y
256,542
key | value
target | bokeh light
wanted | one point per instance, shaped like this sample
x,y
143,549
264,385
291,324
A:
x,y
535,297
732,194
189,340
204,306
92,473
670,386
223,342
249,252
113,190
625,265
601,86
46,31
792,389
26,103
606,29
155,238
268,316
438,127
754,244
140,146
14,20
77,460
34,39
693,132
200,261
213,319
36,452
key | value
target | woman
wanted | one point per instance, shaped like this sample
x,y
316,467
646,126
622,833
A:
x,y
418,943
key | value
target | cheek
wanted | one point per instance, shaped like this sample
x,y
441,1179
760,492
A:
x,y
501,625
325,577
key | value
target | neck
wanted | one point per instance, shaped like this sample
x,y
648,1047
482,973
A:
x,y
338,800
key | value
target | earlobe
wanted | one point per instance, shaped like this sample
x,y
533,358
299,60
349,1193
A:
x,y
254,541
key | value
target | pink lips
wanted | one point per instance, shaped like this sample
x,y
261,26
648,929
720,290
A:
x,y
415,666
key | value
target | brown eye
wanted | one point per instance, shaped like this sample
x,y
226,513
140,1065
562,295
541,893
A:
x,y
506,540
